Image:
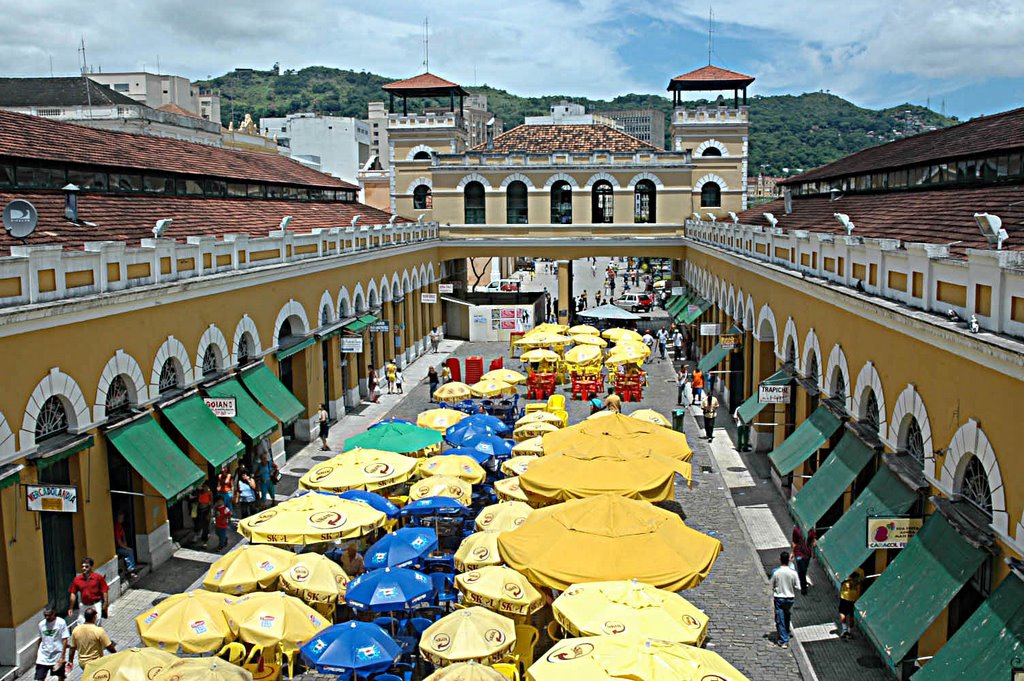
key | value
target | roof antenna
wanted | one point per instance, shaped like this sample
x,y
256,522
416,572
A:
x,y
711,31
426,44
85,68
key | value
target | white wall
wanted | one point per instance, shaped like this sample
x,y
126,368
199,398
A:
x,y
335,140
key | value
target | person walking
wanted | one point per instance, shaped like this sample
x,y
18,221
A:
x,y
432,380
802,551
398,381
742,432
371,384
390,370
662,341
265,474
698,385
53,646
221,521
613,402
709,406
246,492
323,419
682,383
446,374
89,640
204,507
435,340
89,589
225,486
784,583
849,592
121,547
677,344
649,341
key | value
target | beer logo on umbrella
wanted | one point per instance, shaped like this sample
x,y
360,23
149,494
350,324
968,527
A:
x,y
513,590
300,573
712,677
691,621
101,675
150,675
481,553
613,627
486,518
327,520
519,521
495,636
454,490
472,576
381,469
321,472
441,642
568,654
264,517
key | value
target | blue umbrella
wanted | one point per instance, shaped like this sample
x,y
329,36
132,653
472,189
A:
x,y
401,548
492,445
434,506
479,423
475,454
457,436
391,420
356,647
374,501
388,589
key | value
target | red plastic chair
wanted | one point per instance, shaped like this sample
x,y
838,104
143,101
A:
x,y
497,364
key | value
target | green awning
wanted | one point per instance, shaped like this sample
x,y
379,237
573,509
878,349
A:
x,y
10,474
49,455
830,481
713,358
689,314
145,445
988,644
677,303
369,318
751,407
203,430
845,547
271,393
253,421
808,438
357,326
293,349
916,587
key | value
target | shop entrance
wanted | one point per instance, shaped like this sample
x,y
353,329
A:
x,y
58,541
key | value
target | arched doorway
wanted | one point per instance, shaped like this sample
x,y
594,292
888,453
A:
x,y
516,204
475,208
645,202
58,529
602,202
561,203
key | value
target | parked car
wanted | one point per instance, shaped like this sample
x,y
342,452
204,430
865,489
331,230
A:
x,y
636,302
497,285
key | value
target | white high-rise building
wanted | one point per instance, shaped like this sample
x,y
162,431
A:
x,y
332,144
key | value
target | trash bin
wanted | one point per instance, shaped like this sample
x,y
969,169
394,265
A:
x,y
677,419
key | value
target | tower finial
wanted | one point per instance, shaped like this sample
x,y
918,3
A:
x,y
711,31
426,43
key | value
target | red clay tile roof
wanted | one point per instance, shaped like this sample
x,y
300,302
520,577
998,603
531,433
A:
x,y
130,218
545,139
939,216
975,137
422,85
710,77
31,137
175,109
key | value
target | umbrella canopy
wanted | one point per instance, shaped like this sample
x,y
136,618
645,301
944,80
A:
x,y
454,466
477,550
549,327
351,647
132,664
618,433
439,419
247,568
585,339
315,579
375,501
503,516
540,417
470,634
617,333
629,608
538,428
517,465
452,392
460,434
401,548
394,437
506,375
442,486
651,416
542,340
392,420
612,658
491,445
270,619
634,539
192,622
584,329
627,354
583,354
539,355
467,671
475,454
508,489
579,473
388,589
202,669
500,589
535,445
478,422
365,469
311,519
608,311
434,506
492,388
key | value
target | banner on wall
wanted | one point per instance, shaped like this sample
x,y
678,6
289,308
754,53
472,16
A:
x,y
52,498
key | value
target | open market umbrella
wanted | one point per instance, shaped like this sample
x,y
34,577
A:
x,y
459,433
401,548
453,466
439,419
517,465
475,454
549,327
618,433
634,539
584,329
478,550
582,355
507,375
373,500
316,579
500,589
202,669
492,445
503,516
429,506
452,391
389,589
629,608
540,417
534,445
247,568
508,489
617,334
542,340
442,486
402,438
311,519
585,339
539,355
492,388
351,648
538,428
192,623
467,671
275,618
651,416
365,469
471,634
132,664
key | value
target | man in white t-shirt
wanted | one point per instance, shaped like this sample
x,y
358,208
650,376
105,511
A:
x,y
53,644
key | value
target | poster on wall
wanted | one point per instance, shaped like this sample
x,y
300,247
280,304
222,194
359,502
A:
x,y
428,297
351,344
446,288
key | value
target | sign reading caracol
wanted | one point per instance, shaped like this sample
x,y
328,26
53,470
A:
x,y
56,498
891,532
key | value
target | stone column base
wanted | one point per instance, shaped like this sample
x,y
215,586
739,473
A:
x,y
154,548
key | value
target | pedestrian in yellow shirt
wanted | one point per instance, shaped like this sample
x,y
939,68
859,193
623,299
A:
x,y
89,640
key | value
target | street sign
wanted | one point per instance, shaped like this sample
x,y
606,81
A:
x,y
224,407
351,344
380,326
428,297
729,342
446,288
773,394
891,532
710,329
53,498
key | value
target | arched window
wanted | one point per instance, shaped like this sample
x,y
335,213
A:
x,y
711,151
913,440
244,348
516,203
975,487
118,401
602,202
812,368
170,379
561,203
473,196
710,195
791,352
871,417
52,419
644,202
838,386
421,156
422,197
211,361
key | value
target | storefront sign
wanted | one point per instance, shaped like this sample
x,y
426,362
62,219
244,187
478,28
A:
x,y
223,407
428,297
351,344
773,394
446,288
56,498
677,290
380,326
710,329
891,532
729,342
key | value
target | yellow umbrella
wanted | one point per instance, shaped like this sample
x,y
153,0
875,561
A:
x,y
203,669
651,416
453,391
584,339
628,353
540,417
471,634
492,388
439,419
517,465
506,375
621,434
315,579
581,473
503,516
366,469
629,608
467,671
599,414
454,466
507,489
584,329
634,539
133,664
548,327
542,340
442,486
535,445
539,355
270,619
311,519
247,568
533,430
192,622
618,334
613,658
583,354
500,589
477,550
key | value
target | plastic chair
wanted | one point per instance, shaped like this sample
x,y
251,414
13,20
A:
x,y
233,652
556,402
417,625
562,414
388,624
554,631
387,677
526,641
254,654
507,670
536,406
287,658
444,583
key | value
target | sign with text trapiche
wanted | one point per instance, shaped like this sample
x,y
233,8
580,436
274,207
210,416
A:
x,y
53,498
223,407
773,394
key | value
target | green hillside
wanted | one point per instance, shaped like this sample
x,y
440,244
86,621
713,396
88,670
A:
x,y
786,131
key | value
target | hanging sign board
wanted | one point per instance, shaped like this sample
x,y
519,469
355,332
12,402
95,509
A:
x,y
677,290
773,394
223,407
351,344
729,342
710,329
380,326
891,532
446,288
54,498
428,297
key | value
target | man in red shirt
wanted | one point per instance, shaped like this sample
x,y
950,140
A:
x,y
221,521
88,588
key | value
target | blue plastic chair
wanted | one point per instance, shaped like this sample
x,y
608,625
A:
x,y
417,625
443,405
389,624
444,584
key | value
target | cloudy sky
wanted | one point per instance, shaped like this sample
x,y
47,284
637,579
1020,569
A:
x,y
874,52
